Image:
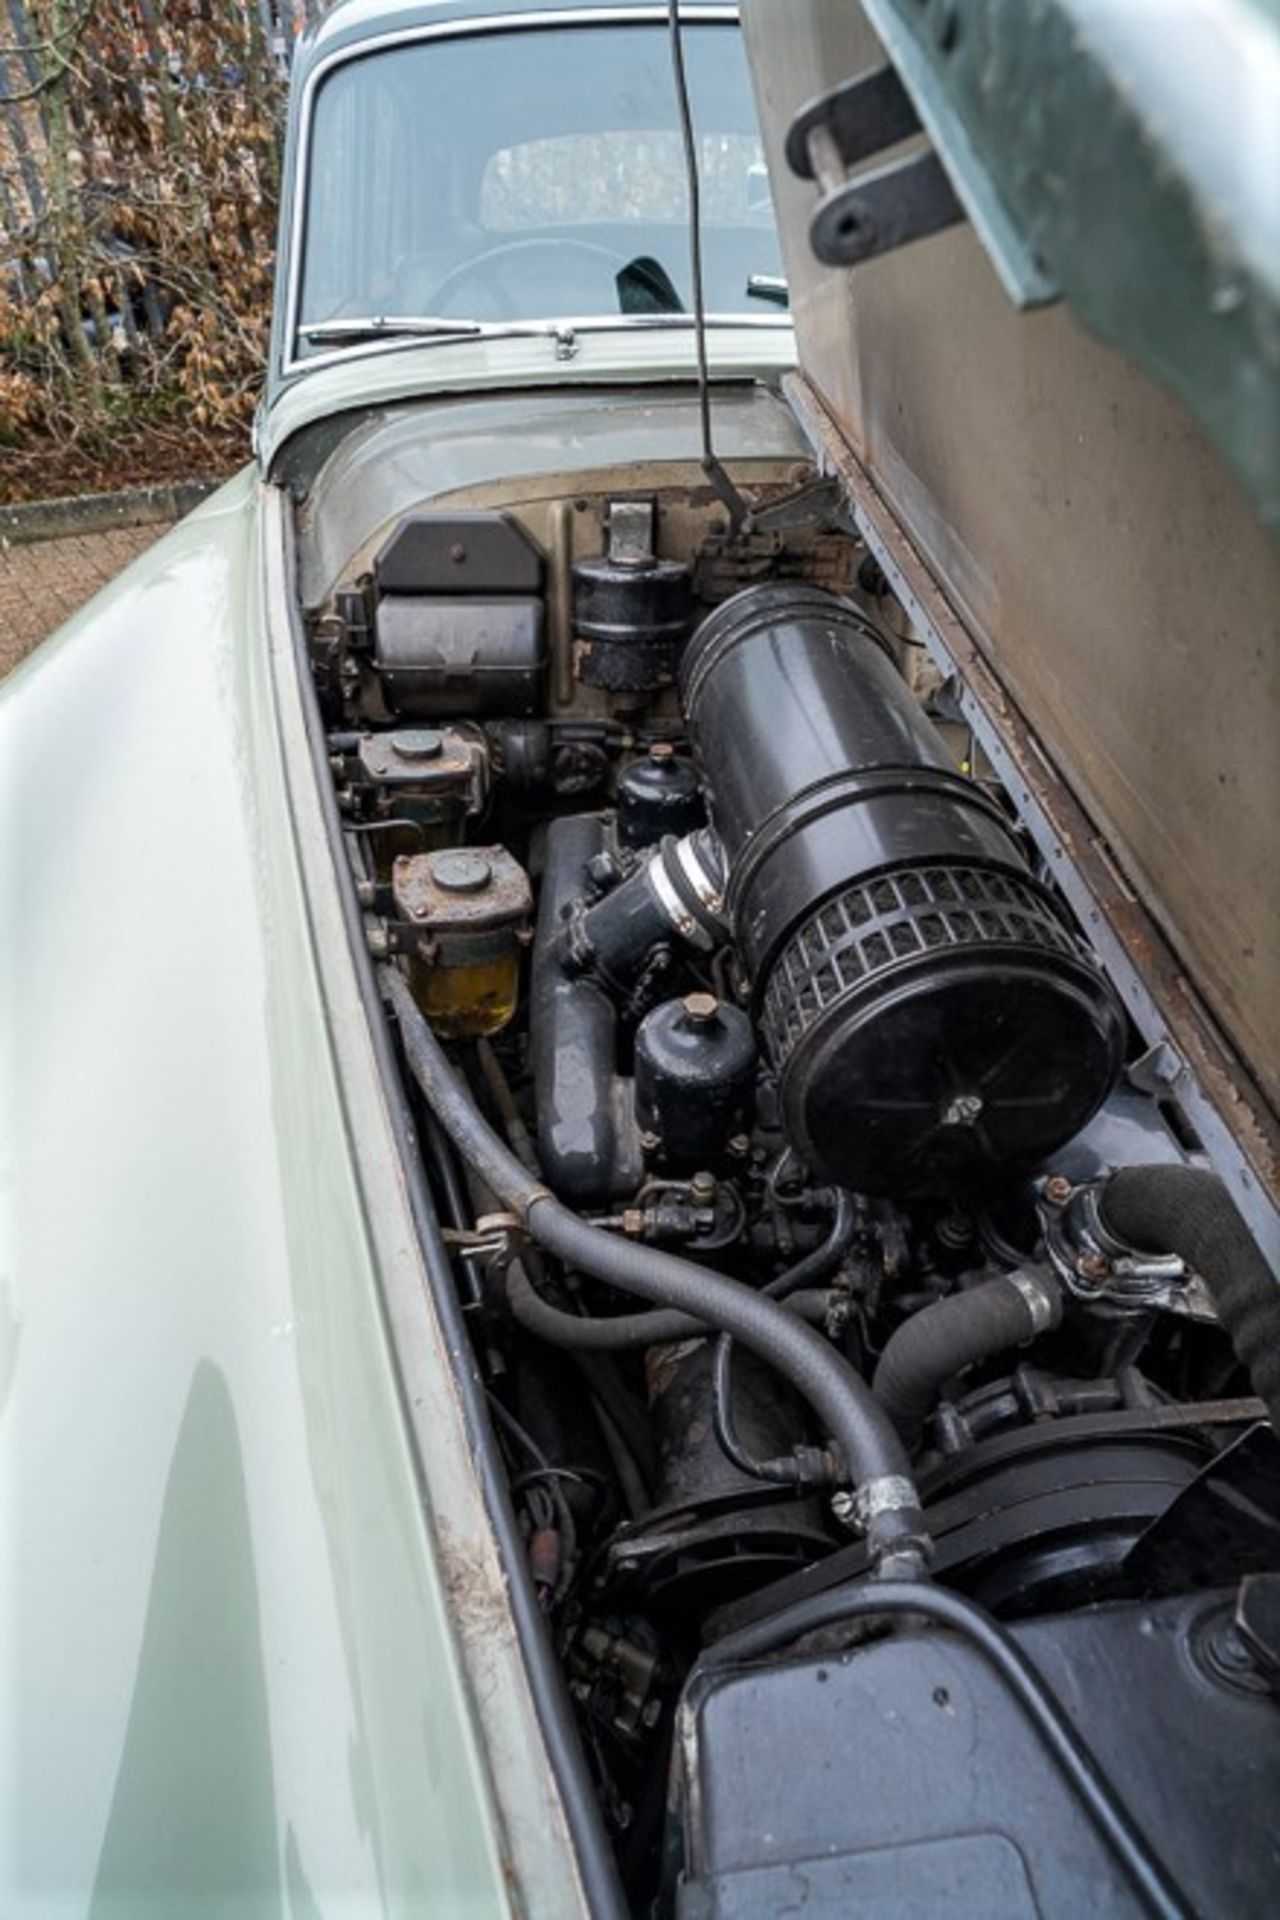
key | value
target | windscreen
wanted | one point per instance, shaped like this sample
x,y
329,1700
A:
x,y
534,174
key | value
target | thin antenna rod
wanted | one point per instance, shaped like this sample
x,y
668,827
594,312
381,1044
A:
x,y
733,502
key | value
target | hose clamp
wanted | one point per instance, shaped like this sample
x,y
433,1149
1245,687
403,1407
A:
x,y
688,890
702,880
886,1493
1043,1302
682,919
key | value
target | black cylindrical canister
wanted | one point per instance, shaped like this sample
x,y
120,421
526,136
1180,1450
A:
x,y
658,795
630,619
931,1016
695,1075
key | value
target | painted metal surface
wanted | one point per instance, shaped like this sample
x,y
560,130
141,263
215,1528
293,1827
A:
x,y
401,370
234,1681
1097,553
1161,225
406,454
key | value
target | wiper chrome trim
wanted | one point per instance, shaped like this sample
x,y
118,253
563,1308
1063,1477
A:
x,y
378,326
564,332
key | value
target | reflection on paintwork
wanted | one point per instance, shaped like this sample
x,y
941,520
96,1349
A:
x,y
192,1824
170,1037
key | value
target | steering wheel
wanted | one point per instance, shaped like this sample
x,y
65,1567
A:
x,y
483,267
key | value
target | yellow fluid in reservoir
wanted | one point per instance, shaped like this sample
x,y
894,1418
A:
x,y
468,1002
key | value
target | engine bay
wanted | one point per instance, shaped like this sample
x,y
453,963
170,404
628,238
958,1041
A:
x,y
823,1240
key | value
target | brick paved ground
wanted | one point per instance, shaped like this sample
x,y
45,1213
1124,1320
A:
x,y
43,582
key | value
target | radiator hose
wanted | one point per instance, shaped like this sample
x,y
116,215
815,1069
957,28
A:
x,y
624,1332
884,1503
1188,1211
941,1340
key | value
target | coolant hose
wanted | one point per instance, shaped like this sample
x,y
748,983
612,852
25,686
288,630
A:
x,y
624,1332
885,1503
941,1340
1188,1211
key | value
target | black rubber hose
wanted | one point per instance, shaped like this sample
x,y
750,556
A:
x,y
1188,1211
1076,1763
885,1503
622,1332
826,1257
814,1266
940,1341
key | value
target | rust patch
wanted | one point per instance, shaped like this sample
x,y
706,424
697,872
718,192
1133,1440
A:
x,y
475,1586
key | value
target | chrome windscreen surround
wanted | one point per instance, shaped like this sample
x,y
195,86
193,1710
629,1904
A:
x,y
294,217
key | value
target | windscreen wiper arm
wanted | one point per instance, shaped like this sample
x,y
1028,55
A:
x,y
378,326
768,286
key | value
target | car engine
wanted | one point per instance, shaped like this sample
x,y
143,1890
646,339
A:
x,y
824,1239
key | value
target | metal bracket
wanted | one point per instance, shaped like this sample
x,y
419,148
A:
x,y
1063,129
818,503
857,120
860,216
1096,1267
631,531
879,212
1158,1071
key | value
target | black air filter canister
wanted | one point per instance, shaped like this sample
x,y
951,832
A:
x,y
931,1016
630,617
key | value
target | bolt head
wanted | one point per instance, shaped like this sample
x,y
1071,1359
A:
x,y
700,1008
1057,1189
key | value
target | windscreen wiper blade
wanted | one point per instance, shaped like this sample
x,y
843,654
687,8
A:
x,y
380,326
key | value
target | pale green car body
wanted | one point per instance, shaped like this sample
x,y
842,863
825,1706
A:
x,y
259,1656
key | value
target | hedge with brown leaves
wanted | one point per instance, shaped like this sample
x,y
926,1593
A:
x,y
139,174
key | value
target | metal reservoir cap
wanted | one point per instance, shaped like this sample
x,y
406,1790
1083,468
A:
x,y
460,872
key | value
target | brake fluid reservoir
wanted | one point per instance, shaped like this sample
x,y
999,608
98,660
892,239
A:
x,y
470,907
